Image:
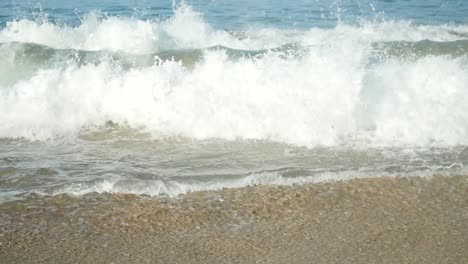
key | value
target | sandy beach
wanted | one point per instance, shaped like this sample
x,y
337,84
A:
x,y
213,132
380,220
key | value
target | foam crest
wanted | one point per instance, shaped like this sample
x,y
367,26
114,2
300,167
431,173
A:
x,y
185,30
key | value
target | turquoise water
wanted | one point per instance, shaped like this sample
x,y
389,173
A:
x,y
162,98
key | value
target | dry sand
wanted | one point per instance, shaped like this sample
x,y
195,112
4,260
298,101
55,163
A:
x,y
380,220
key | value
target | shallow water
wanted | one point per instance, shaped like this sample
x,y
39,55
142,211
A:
x,y
160,98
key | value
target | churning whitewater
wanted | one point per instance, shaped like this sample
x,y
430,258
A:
x,y
375,82
168,106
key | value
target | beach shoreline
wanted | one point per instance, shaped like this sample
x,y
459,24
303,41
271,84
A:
x,y
374,220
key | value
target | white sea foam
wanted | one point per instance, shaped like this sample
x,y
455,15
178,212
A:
x,y
176,188
329,96
187,30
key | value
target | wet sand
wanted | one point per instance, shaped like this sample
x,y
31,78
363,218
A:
x,y
380,220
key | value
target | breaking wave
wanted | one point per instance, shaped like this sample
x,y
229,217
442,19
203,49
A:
x,y
379,83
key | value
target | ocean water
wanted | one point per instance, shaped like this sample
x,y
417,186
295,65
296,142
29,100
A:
x,y
162,98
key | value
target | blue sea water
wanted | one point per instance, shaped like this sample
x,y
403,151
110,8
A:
x,y
230,14
164,98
